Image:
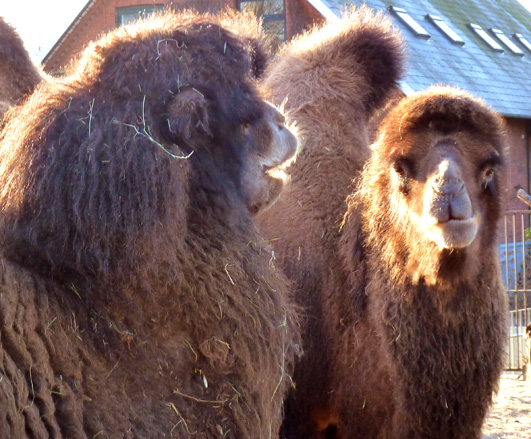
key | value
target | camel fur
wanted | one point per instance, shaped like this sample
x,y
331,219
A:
x,y
18,73
403,337
137,299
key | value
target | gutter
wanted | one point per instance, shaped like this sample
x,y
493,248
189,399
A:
x,y
526,145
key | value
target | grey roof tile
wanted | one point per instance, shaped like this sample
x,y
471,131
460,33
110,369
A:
x,y
503,80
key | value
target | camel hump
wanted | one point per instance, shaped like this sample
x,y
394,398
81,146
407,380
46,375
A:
x,y
359,57
18,74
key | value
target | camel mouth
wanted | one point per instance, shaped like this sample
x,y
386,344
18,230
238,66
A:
x,y
454,233
278,170
276,173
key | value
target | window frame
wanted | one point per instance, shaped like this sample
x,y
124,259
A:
x,y
505,40
446,29
128,10
410,22
486,38
523,40
270,17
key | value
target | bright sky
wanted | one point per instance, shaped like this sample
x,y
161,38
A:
x,y
40,23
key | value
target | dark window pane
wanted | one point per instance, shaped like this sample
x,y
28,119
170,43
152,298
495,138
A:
x,y
276,31
128,15
264,7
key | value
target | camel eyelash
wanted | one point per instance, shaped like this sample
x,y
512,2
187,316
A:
x,y
492,163
487,175
403,168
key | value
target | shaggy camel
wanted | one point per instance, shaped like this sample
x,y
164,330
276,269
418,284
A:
x,y
405,313
137,299
18,74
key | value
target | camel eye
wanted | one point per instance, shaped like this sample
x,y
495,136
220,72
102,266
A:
x,y
488,175
399,169
402,168
488,169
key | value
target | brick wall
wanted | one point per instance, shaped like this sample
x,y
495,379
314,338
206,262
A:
x,y
97,20
517,175
517,161
299,16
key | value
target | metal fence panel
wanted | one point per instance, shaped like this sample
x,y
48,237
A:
x,y
515,259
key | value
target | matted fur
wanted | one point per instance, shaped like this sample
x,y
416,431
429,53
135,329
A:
x,y
136,297
401,339
435,319
18,74
332,79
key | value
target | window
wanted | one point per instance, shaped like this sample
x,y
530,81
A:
x,y
273,14
405,18
523,41
128,15
445,29
486,37
505,40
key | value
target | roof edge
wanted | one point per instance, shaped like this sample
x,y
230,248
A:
x,y
324,9
405,88
68,31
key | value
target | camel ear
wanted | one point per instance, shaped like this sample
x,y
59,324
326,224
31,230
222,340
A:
x,y
188,115
258,59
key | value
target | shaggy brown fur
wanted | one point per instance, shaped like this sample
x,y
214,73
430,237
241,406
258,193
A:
x,y
333,79
18,74
136,297
404,335
430,301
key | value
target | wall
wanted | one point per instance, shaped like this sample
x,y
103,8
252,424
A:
x,y
299,16
95,21
517,176
518,161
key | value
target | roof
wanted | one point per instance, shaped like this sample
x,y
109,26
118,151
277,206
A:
x,y
502,79
69,30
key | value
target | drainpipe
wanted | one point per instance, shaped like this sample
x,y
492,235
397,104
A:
x,y
526,144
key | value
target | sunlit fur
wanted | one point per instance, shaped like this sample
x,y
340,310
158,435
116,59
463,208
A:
x,y
427,329
330,80
136,298
403,336
18,74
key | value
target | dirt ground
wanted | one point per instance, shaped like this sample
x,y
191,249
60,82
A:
x,y
510,416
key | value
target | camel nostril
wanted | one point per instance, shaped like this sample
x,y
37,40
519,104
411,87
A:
x,y
449,186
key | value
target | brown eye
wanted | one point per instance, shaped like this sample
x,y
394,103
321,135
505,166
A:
x,y
246,126
488,175
399,169
403,169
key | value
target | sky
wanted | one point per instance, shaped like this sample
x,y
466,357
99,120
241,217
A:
x,y
40,23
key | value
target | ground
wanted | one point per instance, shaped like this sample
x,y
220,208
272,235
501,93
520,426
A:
x,y
510,416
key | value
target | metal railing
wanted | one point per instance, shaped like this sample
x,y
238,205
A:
x,y
515,257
